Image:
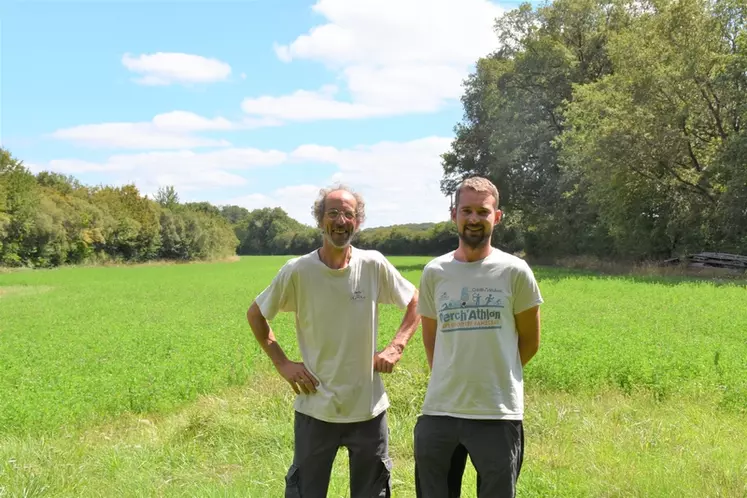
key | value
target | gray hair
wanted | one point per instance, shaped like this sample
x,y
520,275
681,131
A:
x,y
318,209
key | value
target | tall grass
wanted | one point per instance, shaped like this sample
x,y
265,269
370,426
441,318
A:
x,y
138,381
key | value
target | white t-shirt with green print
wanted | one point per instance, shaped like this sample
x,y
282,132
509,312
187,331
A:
x,y
477,371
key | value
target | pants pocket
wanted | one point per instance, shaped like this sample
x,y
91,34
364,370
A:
x,y
292,485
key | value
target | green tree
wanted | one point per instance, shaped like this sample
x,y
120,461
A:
x,y
261,232
203,207
513,113
234,214
20,200
59,182
167,197
650,139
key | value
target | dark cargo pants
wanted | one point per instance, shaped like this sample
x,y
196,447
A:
x,y
495,447
316,445
456,473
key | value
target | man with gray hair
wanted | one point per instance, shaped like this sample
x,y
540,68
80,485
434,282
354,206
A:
x,y
334,292
479,308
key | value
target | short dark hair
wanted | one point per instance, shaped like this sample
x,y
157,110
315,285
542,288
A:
x,y
478,184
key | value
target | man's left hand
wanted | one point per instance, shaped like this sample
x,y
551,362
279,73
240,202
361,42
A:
x,y
385,360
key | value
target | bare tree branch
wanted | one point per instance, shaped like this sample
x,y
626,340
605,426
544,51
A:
x,y
696,187
714,112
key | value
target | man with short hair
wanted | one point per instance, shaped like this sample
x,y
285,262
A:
x,y
479,308
334,292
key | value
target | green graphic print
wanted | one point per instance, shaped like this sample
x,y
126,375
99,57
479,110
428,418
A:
x,y
476,309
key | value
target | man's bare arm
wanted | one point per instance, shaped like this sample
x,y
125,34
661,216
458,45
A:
x,y
295,373
408,326
429,338
385,360
265,337
528,328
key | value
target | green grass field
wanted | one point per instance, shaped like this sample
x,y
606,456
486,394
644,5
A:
x,y
146,381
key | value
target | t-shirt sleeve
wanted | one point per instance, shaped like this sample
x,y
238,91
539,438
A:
x,y
393,287
280,295
426,302
526,291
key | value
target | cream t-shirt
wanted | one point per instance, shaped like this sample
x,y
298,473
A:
x,y
337,328
477,370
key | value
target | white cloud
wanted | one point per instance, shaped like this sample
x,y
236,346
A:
x,y
172,130
304,105
167,68
188,171
182,121
133,136
296,200
395,58
384,32
317,153
400,181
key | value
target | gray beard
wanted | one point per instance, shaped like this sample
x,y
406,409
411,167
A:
x,y
345,243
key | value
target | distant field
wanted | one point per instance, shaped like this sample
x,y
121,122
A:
x,y
134,381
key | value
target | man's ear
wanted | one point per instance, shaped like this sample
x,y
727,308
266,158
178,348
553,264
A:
x,y
453,214
498,217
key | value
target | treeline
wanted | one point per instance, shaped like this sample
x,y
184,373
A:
x,y
613,128
272,231
50,219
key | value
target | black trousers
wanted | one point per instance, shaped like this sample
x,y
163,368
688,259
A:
x,y
442,444
316,445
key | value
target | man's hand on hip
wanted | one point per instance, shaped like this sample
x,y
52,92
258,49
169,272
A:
x,y
298,377
385,360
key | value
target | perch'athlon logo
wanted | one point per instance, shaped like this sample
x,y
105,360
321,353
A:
x,y
477,309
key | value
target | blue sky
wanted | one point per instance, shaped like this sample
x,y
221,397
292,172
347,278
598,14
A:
x,y
257,103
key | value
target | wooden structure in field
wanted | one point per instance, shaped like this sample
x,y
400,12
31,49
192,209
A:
x,y
711,260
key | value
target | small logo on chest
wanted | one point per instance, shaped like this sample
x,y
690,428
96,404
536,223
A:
x,y
357,295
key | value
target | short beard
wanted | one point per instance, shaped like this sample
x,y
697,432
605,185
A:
x,y
331,240
473,243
